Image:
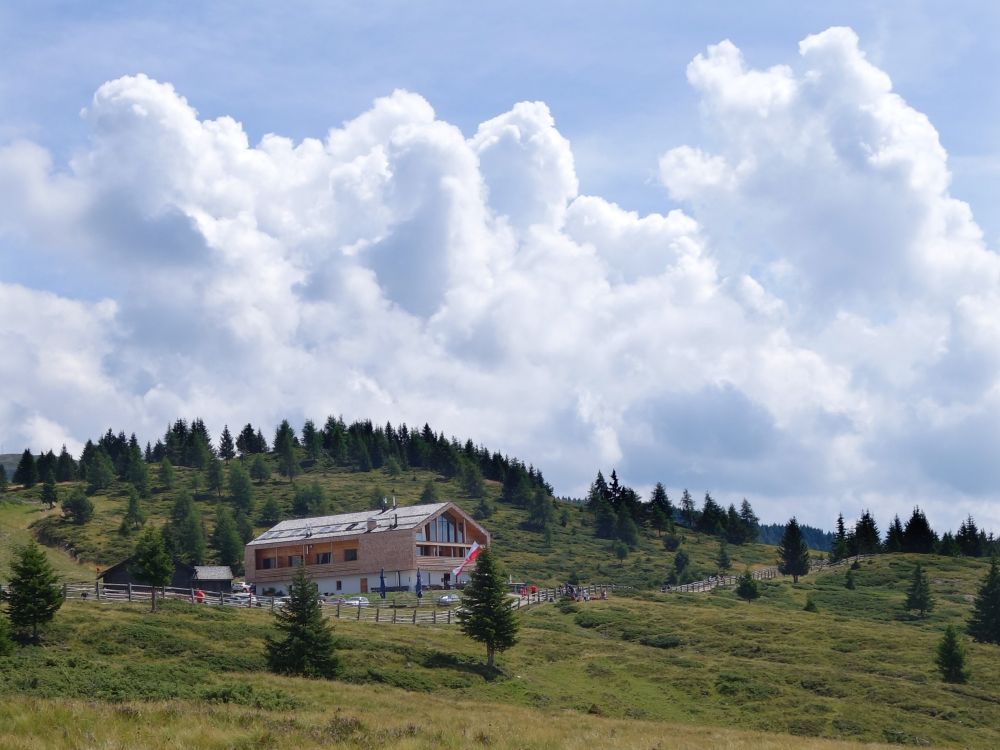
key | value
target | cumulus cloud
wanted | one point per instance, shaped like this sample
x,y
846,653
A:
x,y
810,328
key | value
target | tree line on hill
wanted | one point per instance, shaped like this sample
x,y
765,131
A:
x,y
915,536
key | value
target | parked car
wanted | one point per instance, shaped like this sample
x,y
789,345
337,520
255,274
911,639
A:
x,y
333,600
449,599
282,601
243,599
242,588
356,601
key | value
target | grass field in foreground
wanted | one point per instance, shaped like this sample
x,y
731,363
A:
x,y
646,668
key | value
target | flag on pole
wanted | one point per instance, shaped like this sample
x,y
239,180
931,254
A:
x,y
473,553
381,583
419,587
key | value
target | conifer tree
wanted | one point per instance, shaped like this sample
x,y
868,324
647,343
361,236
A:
x,y
658,520
151,562
134,516
65,466
951,657
751,524
165,474
723,561
186,531
259,470
621,551
471,478
985,623
793,554
486,615
918,596
429,494
312,439
6,644
244,526
712,519
78,507
215,478
305,645
626,529
270,512
310,500
849,581
240,488
659,500
840,548
866,538
605,520
484,509
688,512
3,479
26,473
226,538
34,594
227,450
746,587
101,472
541,513
894,536
917,535
679,571
137,472
50,495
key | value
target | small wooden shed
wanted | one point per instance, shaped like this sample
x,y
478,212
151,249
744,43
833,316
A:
x,y
208,578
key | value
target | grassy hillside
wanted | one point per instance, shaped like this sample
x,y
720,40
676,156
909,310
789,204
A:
x,y
16,516
573,547
643,671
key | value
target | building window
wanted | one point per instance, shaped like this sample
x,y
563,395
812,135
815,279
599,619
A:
x,y
294,561
268,563
339,586
324,558
350,555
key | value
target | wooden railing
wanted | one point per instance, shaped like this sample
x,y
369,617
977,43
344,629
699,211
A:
x,y
761,574
397,610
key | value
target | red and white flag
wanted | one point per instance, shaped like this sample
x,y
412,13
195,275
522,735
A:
x,y
472,555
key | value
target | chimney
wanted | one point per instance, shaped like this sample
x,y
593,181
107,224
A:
x,y
372,524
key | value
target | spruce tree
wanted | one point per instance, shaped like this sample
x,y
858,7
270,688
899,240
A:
x,y
50,495
429,494
240,488
658,520
134,516
26,473
227,449
894,536
6,644
626,529
751,524
747,587
151,562
101,472
137,472
186,531
605,520
679,571
215,479
226,538
34,594
486,615
951,657
723,561
918,596
793,554
840,548
310,500
78,507
621,551
270,512
259,470
985,623
849,581
65,466
918,536
688,512
306,645
165,474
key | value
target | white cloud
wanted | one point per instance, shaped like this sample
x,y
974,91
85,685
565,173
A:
x,y
802,332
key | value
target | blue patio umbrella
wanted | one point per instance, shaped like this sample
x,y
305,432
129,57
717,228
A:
x,y
419,589
381,583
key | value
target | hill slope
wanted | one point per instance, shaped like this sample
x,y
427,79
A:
x,y
858,669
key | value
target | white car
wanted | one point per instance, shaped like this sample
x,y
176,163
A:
x,y
449,599
356,601
245,600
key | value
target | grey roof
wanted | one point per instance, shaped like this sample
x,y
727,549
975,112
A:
x,y
349,524
213,573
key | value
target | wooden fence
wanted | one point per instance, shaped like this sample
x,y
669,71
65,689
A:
x,y
409,610
761,574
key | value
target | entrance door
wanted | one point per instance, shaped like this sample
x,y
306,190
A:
x,y
364,585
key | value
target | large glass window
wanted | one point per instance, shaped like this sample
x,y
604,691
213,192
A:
x,y
350,555
324,558
294,561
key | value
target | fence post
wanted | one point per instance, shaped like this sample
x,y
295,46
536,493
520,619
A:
x,y
394,613
338,610
359,611
130,591
377,609
65,590
449,617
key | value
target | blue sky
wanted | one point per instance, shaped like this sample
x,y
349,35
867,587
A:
x,y
797,310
